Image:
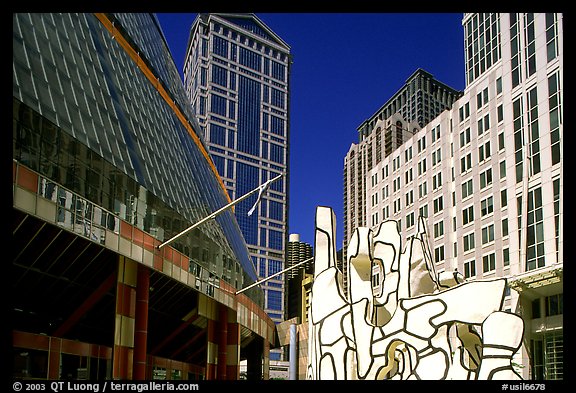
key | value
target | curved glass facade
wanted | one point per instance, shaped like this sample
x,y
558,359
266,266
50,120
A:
x,y
100,110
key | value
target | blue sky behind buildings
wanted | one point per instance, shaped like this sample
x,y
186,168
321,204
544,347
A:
x,y
345,67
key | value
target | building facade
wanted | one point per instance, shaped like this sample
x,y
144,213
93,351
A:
x,y
419,100
488,176
298,278
108,163
236,75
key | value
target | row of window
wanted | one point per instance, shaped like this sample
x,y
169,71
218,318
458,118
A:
x,y
249,58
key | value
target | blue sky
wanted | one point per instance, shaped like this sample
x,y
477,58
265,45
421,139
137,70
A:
x,y
345,67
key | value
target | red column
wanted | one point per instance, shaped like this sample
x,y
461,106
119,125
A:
x,y
233,353
266,360
211,350
141,329
54,358
123,355
222,341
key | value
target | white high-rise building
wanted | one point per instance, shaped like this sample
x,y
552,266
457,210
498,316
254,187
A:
x,y
488,175
236,74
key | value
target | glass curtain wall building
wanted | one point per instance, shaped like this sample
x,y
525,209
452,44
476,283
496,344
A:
x,y
107,155
236,75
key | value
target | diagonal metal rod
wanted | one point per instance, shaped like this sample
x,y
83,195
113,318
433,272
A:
x,y
274,275
217,212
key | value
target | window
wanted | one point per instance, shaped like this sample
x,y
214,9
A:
x,y
502,169
533,132
436,133
409,197
555,106
486,178
374,199
486,206
483,124
438,204
274,299
504,227
465,137
397,206
501,141
421,144
554,305
464,112
437,181
436,156
530,44
503,198
422,191
481,44
488,234
535,231
484,151
422,167
466,163
499,85
467,188
468,242
489,262
515,50
506,257
396,184
438,229
410,220
385,192
556,191
218,105
408,176
468,215
423,211
408,154
219,76
439,254
551,36
470,269
518,137
385,212
396,163
500,113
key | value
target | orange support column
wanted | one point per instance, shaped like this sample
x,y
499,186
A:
x,y
54,350
211,350
233,352
266,361
141,331
125,319
222,341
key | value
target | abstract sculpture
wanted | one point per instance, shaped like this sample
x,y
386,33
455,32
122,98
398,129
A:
x,y
420,325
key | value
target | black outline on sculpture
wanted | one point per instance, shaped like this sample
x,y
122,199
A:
x,y
421,329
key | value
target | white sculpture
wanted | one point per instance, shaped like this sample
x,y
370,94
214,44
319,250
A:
x,y
420,326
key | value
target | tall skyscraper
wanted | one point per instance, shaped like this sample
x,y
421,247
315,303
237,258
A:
x,y
488,176
420,99
296,298
236,75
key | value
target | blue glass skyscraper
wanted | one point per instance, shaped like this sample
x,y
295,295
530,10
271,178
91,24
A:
x,y
236,74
